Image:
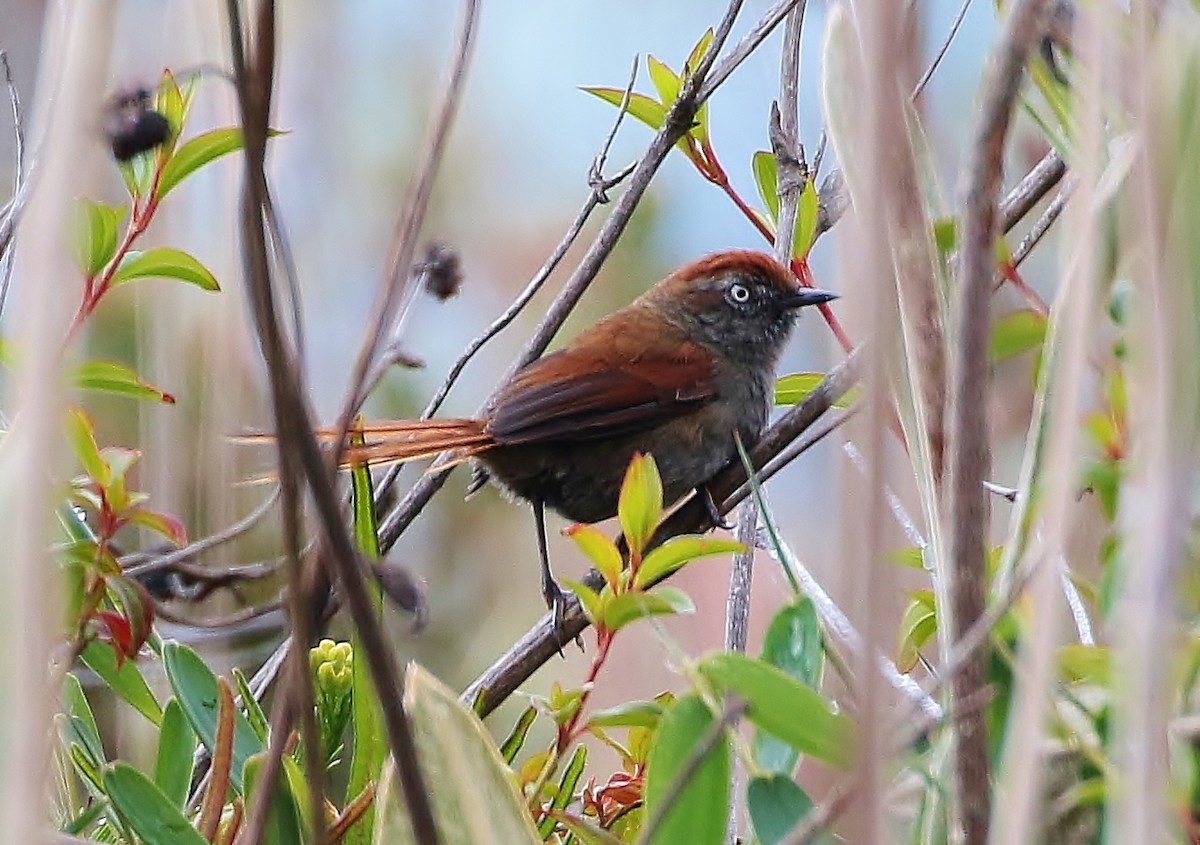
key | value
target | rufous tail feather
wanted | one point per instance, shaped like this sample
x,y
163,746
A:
x,y
398,441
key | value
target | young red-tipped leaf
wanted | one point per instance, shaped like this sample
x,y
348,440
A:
x,y
593,603
168,263
94,234
630,607
665,81
117,379
600,550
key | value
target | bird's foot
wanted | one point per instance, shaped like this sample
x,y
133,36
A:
x,y
556,602
710,510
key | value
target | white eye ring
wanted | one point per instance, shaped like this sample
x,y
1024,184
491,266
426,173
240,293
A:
x,y
739,294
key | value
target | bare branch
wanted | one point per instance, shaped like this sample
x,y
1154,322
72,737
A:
x,y
968,456
941,53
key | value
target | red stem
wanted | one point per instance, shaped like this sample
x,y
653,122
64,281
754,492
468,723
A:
x,y
570,732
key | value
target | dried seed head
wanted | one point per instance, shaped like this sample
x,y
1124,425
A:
x,y
442,270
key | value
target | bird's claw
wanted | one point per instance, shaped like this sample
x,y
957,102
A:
x,y
556,602
710,510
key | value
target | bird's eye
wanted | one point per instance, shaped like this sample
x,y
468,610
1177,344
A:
x,y
738,294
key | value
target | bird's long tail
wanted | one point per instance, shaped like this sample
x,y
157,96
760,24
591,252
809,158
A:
x,y
397,441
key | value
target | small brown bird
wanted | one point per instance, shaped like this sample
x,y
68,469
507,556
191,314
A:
x,y
674,374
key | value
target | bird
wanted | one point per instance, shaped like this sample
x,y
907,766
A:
x,y
678,374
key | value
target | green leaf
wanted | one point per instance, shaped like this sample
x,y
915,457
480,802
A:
x,y
594,603
195,686
600,550
516,738
776,805
630,714
125,680
783,706
700,815
794,388
165,262
176,745
665,81
164,524
82,721
917,627
283,815
171,104
196,152
640,504
808,212
113,377
700,130
473,794
945,236
81,434
95,234
250,706
566,788
1015,333
792,643
1091,664
146,809
766,175
648,111
630,607
369,736
673,554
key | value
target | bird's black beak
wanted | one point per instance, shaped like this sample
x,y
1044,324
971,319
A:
x,y
808,296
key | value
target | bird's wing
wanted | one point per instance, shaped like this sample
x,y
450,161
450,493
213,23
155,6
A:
x,y
616,377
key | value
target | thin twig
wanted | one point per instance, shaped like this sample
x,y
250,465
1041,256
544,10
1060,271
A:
x,y
730,714
1042,225
941,53
144,564
1027,193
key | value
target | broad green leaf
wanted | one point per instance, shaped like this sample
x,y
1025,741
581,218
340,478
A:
x,y
95,234
516,738
766,175
176,745
283,815
455,749
917,627
116,378
794,388
1015,333
168,263
196,152
593,603
700,813
630,607
566,788
640,505
792,643
673,554
631,714
665,81
195,686
146,809
776,805
783,706
600,550
125,680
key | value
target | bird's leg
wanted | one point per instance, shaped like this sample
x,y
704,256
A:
x,y
710,508
556,599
